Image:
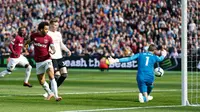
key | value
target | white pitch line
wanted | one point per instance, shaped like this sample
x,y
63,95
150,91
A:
x,y
117,92
128,108
68,93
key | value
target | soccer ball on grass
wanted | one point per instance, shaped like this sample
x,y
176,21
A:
x,y
159,72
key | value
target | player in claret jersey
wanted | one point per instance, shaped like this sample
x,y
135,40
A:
x,y
42,42
16,58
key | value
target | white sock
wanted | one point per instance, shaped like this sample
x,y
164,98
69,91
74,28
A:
x,y
46,87
28,73
54,88
5,72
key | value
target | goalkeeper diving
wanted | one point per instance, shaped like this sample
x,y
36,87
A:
x,y
145,73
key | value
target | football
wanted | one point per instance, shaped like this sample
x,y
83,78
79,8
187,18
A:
x,y
159,72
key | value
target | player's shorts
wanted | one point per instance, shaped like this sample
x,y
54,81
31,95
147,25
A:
x,y
143,86
22,60
144,82
58,64
41,67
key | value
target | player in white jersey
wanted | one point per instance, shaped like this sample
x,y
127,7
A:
x,y
60,70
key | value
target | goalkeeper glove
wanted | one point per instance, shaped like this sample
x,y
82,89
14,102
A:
x,y
112,60
164,53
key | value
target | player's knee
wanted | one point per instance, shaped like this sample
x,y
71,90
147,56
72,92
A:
x,y
65,75
42,82
28,67
57,73
10,69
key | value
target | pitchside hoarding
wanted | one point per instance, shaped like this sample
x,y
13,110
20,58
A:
x,y
90,62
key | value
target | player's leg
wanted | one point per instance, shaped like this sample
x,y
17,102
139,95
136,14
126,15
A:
x,y
27,75
50,71
5,72
56,69
45,85
143,96
56,76
63,72
24,62
149,90
56,73
10,67
64,75
41,78
150,86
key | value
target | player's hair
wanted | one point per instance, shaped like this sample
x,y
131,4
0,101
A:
x,y
54,20
20,29
42,24
152,47
19,32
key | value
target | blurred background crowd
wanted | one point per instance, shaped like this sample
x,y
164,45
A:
x,y
115,28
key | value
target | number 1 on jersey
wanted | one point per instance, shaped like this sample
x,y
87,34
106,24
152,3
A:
x,y
147,61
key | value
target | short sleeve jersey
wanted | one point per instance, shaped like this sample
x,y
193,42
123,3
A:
x,y
41,46
17,43
57,40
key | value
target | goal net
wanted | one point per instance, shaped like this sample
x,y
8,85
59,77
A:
x,y
193,52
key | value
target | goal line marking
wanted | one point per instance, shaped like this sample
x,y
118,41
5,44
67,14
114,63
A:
x,y
71,93
118,109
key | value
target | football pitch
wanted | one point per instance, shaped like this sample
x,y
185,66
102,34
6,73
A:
x,y
90,90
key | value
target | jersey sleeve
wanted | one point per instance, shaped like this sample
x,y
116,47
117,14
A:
x,y
51,41
159,58
63,47
13,41
128,59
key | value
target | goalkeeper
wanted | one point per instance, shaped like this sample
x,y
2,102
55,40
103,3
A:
x,y
145,74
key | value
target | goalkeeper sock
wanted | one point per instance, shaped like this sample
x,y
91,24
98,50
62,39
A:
x,y
149,89
145,99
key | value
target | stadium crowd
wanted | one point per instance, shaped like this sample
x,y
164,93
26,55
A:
x,y
104,27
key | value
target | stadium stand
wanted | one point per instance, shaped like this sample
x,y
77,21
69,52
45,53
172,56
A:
x,y
104,27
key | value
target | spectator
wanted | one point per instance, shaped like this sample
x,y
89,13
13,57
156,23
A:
x,y
157,21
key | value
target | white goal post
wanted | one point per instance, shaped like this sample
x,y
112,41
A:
x,y
184,72
190,52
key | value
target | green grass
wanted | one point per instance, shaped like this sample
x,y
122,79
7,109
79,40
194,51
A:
x,y
112,91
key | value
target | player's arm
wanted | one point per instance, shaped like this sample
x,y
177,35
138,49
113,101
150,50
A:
x,y
52,47
25,51
162,57
11,46
63,47
128,59
122,60
27,42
